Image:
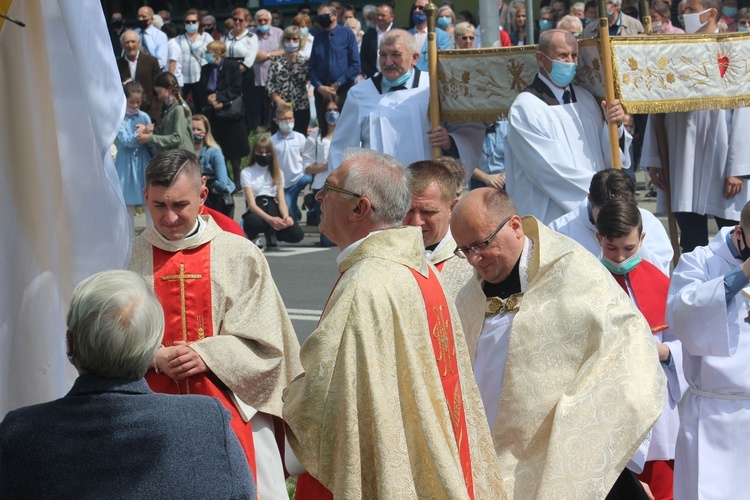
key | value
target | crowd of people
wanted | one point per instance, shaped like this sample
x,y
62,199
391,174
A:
x,y
528,339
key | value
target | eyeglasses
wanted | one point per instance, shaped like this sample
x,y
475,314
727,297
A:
x,y
466,37
417,7
191,21
238,19
479,247
327,187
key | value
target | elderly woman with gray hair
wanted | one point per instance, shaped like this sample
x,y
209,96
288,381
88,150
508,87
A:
x,y
464,34
287,79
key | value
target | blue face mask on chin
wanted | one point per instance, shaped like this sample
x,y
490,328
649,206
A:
x,y
562,72
623,267
545,24
399,81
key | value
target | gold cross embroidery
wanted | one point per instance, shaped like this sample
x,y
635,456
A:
x,y
440,332
182,277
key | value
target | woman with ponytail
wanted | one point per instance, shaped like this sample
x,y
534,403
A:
x,y
175,131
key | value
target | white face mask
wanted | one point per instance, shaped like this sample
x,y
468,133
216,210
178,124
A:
x,y
693,22
656,26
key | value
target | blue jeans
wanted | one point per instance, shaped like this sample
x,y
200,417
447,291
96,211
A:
x,y
292,193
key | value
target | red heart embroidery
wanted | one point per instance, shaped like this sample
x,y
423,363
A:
x,y
723,64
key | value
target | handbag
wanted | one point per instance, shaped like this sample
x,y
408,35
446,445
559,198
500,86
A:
x,y
234,110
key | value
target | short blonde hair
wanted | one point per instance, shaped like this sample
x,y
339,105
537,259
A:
x,y
217,46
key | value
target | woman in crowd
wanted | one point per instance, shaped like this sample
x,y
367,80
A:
x,y
220,87
242,47
132,156
287,79
220,187
174,53
193,45
446,21
302,21
174,130
660,21
518,35
464,34
263,185
356,27
316,159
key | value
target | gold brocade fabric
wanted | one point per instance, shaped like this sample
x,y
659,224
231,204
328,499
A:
x,y
254,349
369,419
582,382
456,272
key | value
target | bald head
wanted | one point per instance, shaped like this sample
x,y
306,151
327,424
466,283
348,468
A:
x,y
489,204
552,38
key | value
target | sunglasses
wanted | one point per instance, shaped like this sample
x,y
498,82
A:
x,y
194,21
417,7
467,37
238,19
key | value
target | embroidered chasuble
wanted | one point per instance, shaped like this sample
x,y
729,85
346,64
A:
x,y
218,296
388,407
582,384
454,271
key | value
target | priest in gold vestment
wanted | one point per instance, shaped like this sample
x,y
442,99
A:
x,y
227,333
433,196
566,365
387,407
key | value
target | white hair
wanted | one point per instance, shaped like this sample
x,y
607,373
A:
x,y
569,23
262,12
462,28
578,7
158,21
383,180
369,12
117,325
394,35
122,35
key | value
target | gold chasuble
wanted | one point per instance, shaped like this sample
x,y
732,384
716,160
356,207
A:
x,y
582,383
454,271
388,407
218,296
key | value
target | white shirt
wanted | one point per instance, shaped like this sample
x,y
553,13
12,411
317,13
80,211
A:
x,y
315,153
259,180
174,53
155,41
244,46
380,36
419,35
193,55
289,154
132,65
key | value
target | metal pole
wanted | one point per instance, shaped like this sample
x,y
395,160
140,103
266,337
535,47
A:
x,y
431,12
490,21
529,22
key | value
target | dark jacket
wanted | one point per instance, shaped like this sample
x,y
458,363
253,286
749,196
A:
x,y
368,52
146,71
228,83
114,438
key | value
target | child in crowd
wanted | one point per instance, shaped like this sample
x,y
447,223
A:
x,y
263,184
132,156
620,236
289,146
174,131
220,186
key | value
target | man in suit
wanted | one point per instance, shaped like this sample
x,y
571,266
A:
x,y
111,436
368,52
419,31
142,68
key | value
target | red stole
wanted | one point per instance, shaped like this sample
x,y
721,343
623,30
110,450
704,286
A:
x,y
182,283
650,287
440,265
227,224
443,343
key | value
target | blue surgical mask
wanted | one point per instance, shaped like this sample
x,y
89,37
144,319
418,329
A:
x,y
368,24
332,117
444,21
304,31
209,58
264,29
400,81
729,11
623,267
191,28
418,17
562,72
587,21
545,24
743,28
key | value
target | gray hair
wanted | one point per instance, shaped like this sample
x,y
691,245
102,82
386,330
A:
x,y
578,6
452,14
568,23
122,35
208,19
383,180
545,39
262,12
547,10
463,28
116,323
369,12
394,35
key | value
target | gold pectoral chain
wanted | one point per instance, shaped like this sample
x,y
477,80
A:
x,y
496,305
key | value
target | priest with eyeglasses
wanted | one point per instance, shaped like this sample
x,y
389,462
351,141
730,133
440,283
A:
x,y
564,362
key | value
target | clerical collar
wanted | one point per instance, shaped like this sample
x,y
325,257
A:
x,y
433,249
518,279
192,238
346,252
557,91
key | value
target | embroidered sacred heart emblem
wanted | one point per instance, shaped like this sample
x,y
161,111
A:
x,y
723,64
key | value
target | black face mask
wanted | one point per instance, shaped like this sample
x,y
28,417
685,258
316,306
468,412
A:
x,y
143,24
263,160
325,21
210,31
744,252
117,22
